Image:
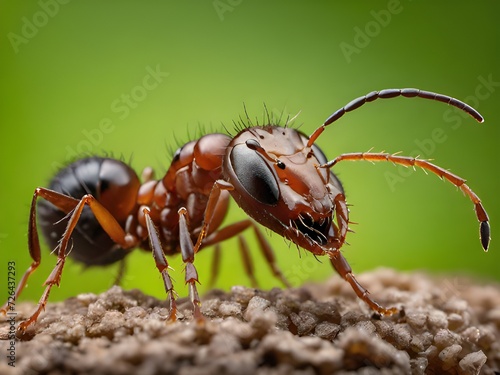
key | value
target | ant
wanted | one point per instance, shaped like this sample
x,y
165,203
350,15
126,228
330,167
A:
x,y
276,174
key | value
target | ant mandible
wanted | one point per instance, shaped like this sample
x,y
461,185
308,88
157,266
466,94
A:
x,y
97,211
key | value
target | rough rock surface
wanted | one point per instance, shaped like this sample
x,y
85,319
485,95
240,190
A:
x,y
447,326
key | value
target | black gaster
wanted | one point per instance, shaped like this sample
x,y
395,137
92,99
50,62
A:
x,y
89,243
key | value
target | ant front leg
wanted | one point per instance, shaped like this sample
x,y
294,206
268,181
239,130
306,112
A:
x,y
342,216
344,269
340,263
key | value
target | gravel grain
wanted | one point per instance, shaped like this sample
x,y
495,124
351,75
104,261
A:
x,y
446,326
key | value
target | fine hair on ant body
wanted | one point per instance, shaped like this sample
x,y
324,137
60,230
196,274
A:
x,y
97,211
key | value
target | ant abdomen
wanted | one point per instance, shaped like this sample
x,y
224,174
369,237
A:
x,y
114,184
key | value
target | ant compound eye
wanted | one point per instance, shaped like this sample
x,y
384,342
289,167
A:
x,y
254,174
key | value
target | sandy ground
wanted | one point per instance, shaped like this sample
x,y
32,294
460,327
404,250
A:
x,y
446,326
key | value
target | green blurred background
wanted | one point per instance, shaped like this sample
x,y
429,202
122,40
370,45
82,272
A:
x,y
68,66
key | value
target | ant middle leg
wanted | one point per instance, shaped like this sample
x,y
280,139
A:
x,y
215,210
236,229
161,262
247,261
245,257
215,267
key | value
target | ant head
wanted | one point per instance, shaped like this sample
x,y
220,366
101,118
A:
x,y
278,181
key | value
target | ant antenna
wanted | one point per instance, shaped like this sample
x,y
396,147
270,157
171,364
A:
x,y
392,93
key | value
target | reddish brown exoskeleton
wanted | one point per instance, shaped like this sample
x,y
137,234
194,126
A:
x,y
98,208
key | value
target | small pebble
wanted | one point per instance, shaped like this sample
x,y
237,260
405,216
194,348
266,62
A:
x,y
315,329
